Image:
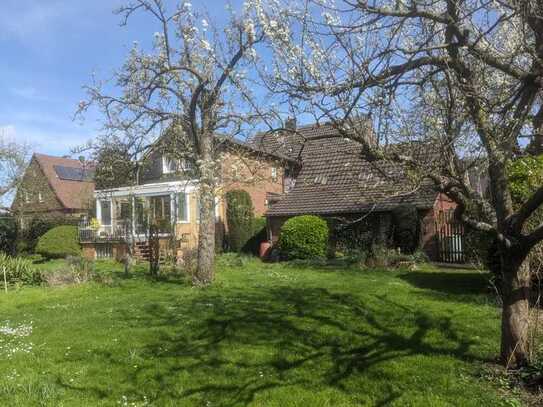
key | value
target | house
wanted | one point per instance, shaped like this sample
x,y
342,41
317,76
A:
x,y
54,187
311,170
358,198
166,194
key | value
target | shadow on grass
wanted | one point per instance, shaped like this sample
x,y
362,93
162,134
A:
x,y
454,283
228,347
461,287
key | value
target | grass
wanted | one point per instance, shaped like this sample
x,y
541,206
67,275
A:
x,y
262,335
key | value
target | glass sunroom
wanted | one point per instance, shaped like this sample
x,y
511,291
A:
x,y
125,213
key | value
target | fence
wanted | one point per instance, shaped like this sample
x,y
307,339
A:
x,y
450,234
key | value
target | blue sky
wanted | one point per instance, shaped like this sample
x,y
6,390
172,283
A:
x,y
50,49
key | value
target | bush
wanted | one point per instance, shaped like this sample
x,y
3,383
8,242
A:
x,y
76,271
239,217
28,238
304,237
59,242
8,234
18,270
258,235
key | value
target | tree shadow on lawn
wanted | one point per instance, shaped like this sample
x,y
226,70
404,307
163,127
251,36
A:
x,y
472,287
238,344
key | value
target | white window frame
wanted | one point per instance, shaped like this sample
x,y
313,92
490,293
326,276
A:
x,y
99,214
166,162
274,173
187,206
180,165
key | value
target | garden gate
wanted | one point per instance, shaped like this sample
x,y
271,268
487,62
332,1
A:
x,y
450,235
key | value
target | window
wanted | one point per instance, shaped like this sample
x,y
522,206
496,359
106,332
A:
x,y
170,165
27,197
160,207
274,173
105,213
182,207
40,197
126,210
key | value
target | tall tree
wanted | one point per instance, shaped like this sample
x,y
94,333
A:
x,y
114,164
463,75
191,82
13,161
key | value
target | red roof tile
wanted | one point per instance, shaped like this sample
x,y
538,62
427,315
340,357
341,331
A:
x,y
71,194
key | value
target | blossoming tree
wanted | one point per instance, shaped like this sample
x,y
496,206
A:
x,y
13,161
190,86
465,76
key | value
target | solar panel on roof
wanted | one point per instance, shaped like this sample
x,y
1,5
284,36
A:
x,y
73,174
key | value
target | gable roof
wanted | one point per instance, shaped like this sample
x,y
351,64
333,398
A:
x,y
335,179
72,194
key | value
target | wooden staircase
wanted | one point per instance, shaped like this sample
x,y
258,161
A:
x,y
142,251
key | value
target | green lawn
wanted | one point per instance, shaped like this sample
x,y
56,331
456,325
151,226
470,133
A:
x,y
263,335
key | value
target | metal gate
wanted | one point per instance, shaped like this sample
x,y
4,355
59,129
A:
x,y
450,238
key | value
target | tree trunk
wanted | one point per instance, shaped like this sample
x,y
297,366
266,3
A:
x,y
515,346
206,237
206,233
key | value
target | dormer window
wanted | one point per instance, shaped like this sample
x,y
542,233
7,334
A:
x,y
172,166
169,166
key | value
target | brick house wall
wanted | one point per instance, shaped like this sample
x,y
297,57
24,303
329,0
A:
x,y
35,194
256,175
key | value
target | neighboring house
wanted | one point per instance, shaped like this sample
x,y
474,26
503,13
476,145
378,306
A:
x,y
166,194
335,182
54,187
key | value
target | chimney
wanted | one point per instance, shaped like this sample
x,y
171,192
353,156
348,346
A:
x,y
290,124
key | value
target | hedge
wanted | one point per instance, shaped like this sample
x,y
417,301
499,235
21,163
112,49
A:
x,y
304,237
239,217
59,242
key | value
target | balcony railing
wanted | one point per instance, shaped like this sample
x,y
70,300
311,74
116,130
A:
x,y
119,231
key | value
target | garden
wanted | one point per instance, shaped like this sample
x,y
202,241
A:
x,y
265,334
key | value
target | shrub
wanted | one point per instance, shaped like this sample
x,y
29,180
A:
x,y
76,271
258,235
8,234
18,270
28,238
304,237
385,257
239,217
59,242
